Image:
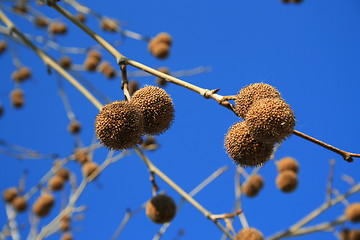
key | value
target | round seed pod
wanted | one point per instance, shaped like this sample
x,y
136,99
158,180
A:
x,y
63,173
133,86
21,74
3,46
17,98
164,37
270,120
250,94
161,209
244,149
19,204
43,205
56,183
66,236
119,125
249,234
65,223
160,50
57,28
288,163
253,186
81,156
344,234
65,62
10,194
88,168
107,70
352,212
109,25
157,108
354,235
161,81
94,54
287,181
91,64
20,8
74,127
40,22
81,17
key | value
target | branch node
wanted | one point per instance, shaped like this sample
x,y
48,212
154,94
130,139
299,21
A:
x,y
122,61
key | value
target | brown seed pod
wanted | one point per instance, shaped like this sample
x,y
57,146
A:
x,y
63,173
65,62
270,120
94,54
161,209
250,94
287,181
10,194
133,86
19,204
40,22
88,168
74,127
81,17
56,183
161,81
17,98
65,223
160,50
43,205
107,70
20,8
21,74
253,185
157,108
352,212
91,64
110,25
354,235
57,28
249,234
81,156
3,46
119,125
66,236
244,149
288,163
163,37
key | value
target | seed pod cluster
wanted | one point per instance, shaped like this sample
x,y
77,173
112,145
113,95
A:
x,y
121,124
20,8
43,205
159,46
17,98
253,185
268,120
352,212
287,179
74,127
58,28
12,196
109,25
161,209
106,69
249,234
3,46
21,74
92,60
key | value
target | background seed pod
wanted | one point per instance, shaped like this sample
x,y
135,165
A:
x,y
88,168
40,22
160,50
133,86
156,107
63,173
43,205
3,46
58,28
19,204
253,185
91,64
119,125
20,8
270,120
164,37
65,223
109,25
161,81
21,74
74,127
66,236
17,98
288,163
9,194
352,212
81,155
287,181
56,183
354,235
161,209
244,149
81,17
107,70
65,62
249,234
250,94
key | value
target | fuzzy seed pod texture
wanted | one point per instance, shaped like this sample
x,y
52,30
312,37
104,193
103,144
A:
x,y
249,234
352,212
287,181
161,209
19,203
253,185
43,205
10,194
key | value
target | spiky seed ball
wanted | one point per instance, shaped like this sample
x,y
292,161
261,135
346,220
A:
x,y
270,120
119,125
249,234
156,107
40,22
17,98
56,183
110,25
43,205
81,17
352,212
74,127
3,46
65,62
160,50
250,94
19,204
288,163
107,69
161,209
57,28
66,236
287,181
81,155
244,149
88,168
63,173
253,186
10,194
133,86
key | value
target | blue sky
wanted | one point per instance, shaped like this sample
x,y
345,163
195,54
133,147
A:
x,y
309,52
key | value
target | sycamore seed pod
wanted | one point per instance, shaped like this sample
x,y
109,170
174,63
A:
x,y
3,46
119,125
287,181
91,64
244,149
66,236
253,185
352,212
161,209
250,94
81,17
65,223
156,107
43,205
74,127
161,81
107,70
56,183
288,163
354,235
249,234
110,25
57,28
40,22
159,46
17,98
133,86
164,37
95,54
20,8
270,120
10,194
88,168
81,156
63,173
21,74
19,204
65,62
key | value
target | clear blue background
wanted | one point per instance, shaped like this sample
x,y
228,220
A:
x,y
309,51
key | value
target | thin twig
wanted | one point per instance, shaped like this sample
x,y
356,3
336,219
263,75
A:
x,y
329,187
